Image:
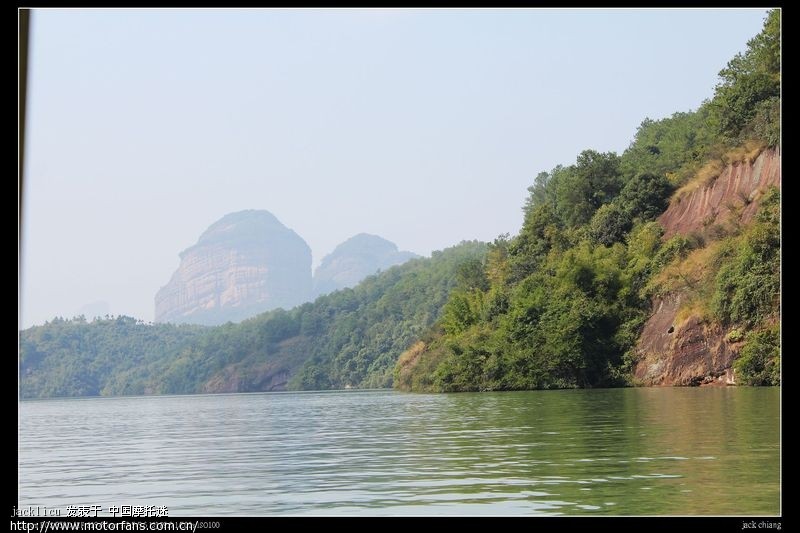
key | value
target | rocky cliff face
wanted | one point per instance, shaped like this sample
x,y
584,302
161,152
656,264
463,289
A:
x,y
244,264
736,190
355,259
692,351
688,353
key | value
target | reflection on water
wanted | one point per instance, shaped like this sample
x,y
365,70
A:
x,y
667,451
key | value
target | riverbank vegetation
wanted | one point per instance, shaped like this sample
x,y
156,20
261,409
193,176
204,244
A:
x,y
561,304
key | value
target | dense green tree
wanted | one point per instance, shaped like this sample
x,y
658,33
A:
x,y
540,233
673,146
748,284
760,361
645,196
609,224
747,96
582,188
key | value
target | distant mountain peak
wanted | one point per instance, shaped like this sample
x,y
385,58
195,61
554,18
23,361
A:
x,y
248,262
245,263
354,259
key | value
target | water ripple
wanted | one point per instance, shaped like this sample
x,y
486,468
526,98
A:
x,y
379,452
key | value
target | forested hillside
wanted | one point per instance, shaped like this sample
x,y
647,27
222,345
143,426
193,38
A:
x,y
350,338
563,303
106,356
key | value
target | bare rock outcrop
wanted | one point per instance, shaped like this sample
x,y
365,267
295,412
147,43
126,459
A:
x,y
355,259
691,351
244,264
739,186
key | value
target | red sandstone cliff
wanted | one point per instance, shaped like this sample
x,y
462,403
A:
x,y
740,185
244,264
693,352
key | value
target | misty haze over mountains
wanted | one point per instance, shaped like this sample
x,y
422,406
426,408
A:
x,y
248,262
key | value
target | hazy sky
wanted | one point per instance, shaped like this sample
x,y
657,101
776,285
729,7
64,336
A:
x,y
422,126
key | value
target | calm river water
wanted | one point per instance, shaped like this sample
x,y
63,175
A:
x,y
661,451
